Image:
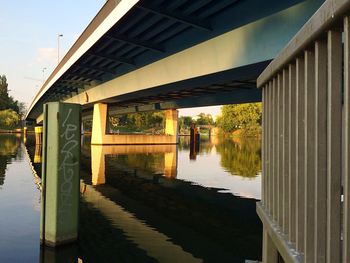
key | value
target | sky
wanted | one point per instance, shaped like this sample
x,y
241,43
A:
x,y
28,42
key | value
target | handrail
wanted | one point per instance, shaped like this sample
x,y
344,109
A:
x,y
327,15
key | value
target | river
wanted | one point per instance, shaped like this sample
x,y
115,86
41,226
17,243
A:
x,y
140,203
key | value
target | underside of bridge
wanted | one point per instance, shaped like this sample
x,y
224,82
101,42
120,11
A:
x,y
155,55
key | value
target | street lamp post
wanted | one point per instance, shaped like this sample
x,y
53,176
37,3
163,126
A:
x,y
58,47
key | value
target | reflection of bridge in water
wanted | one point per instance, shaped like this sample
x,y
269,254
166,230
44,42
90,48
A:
x,y
160,217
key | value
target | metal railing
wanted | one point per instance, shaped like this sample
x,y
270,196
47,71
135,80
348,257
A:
x,y
305,207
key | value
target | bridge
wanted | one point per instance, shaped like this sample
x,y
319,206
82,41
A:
x,y
216,58
147,55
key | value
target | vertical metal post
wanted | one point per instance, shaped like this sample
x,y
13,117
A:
x,y
274,149
320,150
285,150
300,154
346,143
60,172
277,154
334,133
309,155
270,146
291,169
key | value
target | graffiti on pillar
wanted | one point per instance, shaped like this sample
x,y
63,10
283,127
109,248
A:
x,y
69,161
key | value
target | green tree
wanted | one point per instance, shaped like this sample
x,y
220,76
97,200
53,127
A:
x,y
184,123
9,119
22,109
241,116
8,102
4,96
204,119
141,121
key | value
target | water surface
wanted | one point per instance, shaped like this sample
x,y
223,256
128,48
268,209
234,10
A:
x,y
140,203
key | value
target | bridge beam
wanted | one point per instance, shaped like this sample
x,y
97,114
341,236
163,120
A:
x,y
252,44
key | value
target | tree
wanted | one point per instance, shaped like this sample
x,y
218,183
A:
x,y
141,121
4,96
22,109
8,119
184,123
241,116
8,102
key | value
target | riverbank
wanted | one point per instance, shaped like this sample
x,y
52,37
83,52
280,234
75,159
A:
x,y
11,131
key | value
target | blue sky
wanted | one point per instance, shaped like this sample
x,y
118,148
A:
x,y
28,41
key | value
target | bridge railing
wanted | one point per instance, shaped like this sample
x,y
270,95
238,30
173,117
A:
x,y
305,207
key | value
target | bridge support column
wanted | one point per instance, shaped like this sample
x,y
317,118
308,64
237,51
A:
x,y
60,174
171,127
99,123
101,137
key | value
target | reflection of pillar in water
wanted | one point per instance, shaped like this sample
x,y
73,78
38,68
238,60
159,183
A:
x,y
98,166
25,130
198,140
170,163
59,255
37,153
82,127
38,134
194,142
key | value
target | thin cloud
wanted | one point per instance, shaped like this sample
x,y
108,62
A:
x,y
47,55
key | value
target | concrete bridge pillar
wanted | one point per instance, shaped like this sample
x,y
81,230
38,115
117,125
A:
x,y
99,123
60,174
101,137
171,127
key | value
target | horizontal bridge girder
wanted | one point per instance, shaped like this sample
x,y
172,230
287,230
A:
x,y
234,97
136,42
114,58
177,17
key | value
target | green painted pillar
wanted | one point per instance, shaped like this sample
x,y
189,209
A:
x,y
60,174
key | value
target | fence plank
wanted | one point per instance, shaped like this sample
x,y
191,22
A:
x,y
334,122
270,148
291,168
320,150
279,137
274,148
263,151
309,155
285,150
346,144
300,155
